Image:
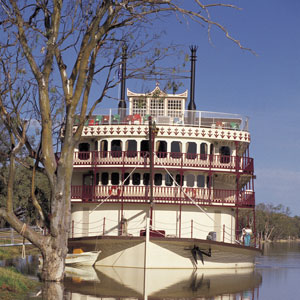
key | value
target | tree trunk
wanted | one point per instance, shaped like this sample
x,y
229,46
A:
x,y
53,291
53,264
55,250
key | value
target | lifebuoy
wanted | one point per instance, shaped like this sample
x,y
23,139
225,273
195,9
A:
x,y
114,191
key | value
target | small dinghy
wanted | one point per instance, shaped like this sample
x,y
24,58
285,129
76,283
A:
x,y
82,258
79,258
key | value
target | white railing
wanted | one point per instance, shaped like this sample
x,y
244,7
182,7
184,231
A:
x,y
202,119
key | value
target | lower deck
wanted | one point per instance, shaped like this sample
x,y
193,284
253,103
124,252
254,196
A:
x,y
166,220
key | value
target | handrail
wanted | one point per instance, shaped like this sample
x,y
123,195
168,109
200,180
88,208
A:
x,y
202,119
165,159
163,195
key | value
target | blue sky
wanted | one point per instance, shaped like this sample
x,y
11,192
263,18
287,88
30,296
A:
x,y
265,87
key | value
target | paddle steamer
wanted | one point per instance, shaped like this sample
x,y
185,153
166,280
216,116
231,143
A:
x,y
160,184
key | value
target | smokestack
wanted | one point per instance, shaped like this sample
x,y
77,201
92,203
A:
x,y
193,58
192,105
122,103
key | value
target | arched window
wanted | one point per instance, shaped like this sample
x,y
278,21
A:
x,y
84,151
191,152
126,178
168,180
131,148
146,179
115,178
190,180
158,179
103,148
224,155
116,148
96,145
211,149
161,149
203,151
88,179
200,181
179,179
136,178
208,181
88,182
145,148
176,149
104,178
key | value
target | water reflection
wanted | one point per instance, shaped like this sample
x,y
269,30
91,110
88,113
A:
x,y
280,269
138,283
276,276
26,266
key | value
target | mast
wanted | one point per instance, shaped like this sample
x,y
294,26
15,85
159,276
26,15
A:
x,y
152,132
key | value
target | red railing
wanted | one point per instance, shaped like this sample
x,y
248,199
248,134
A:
x,y
165,159
163,195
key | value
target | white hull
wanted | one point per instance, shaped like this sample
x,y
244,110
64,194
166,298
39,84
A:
x,y
168,253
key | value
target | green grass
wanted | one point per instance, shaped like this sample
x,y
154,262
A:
x,y
14,285
11,252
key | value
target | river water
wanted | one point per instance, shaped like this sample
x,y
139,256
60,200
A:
x,y
276,276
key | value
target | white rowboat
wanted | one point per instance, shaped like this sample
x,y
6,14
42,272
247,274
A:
x,y
79,259
82,259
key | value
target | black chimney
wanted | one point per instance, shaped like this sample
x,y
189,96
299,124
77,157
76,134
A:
x,y
192,105
122,103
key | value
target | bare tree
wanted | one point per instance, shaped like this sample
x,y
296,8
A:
x,y
58,50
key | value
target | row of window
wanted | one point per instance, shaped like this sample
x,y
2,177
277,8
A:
x,y
131,147
159,179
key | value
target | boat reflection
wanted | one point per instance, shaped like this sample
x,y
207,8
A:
x,y
158,283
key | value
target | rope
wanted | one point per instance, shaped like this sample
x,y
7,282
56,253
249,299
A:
x,y
188,195
122,184
23,246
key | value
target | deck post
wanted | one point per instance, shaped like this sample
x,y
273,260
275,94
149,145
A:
x,y
103,226
147,240
152,132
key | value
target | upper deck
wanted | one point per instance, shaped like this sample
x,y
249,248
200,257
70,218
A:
x,y
202,124
169,115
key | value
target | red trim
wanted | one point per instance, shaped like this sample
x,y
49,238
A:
x,y
163,159
164,195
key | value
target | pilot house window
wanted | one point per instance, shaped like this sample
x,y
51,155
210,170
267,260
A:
x,y
139,106
157,107
174,108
